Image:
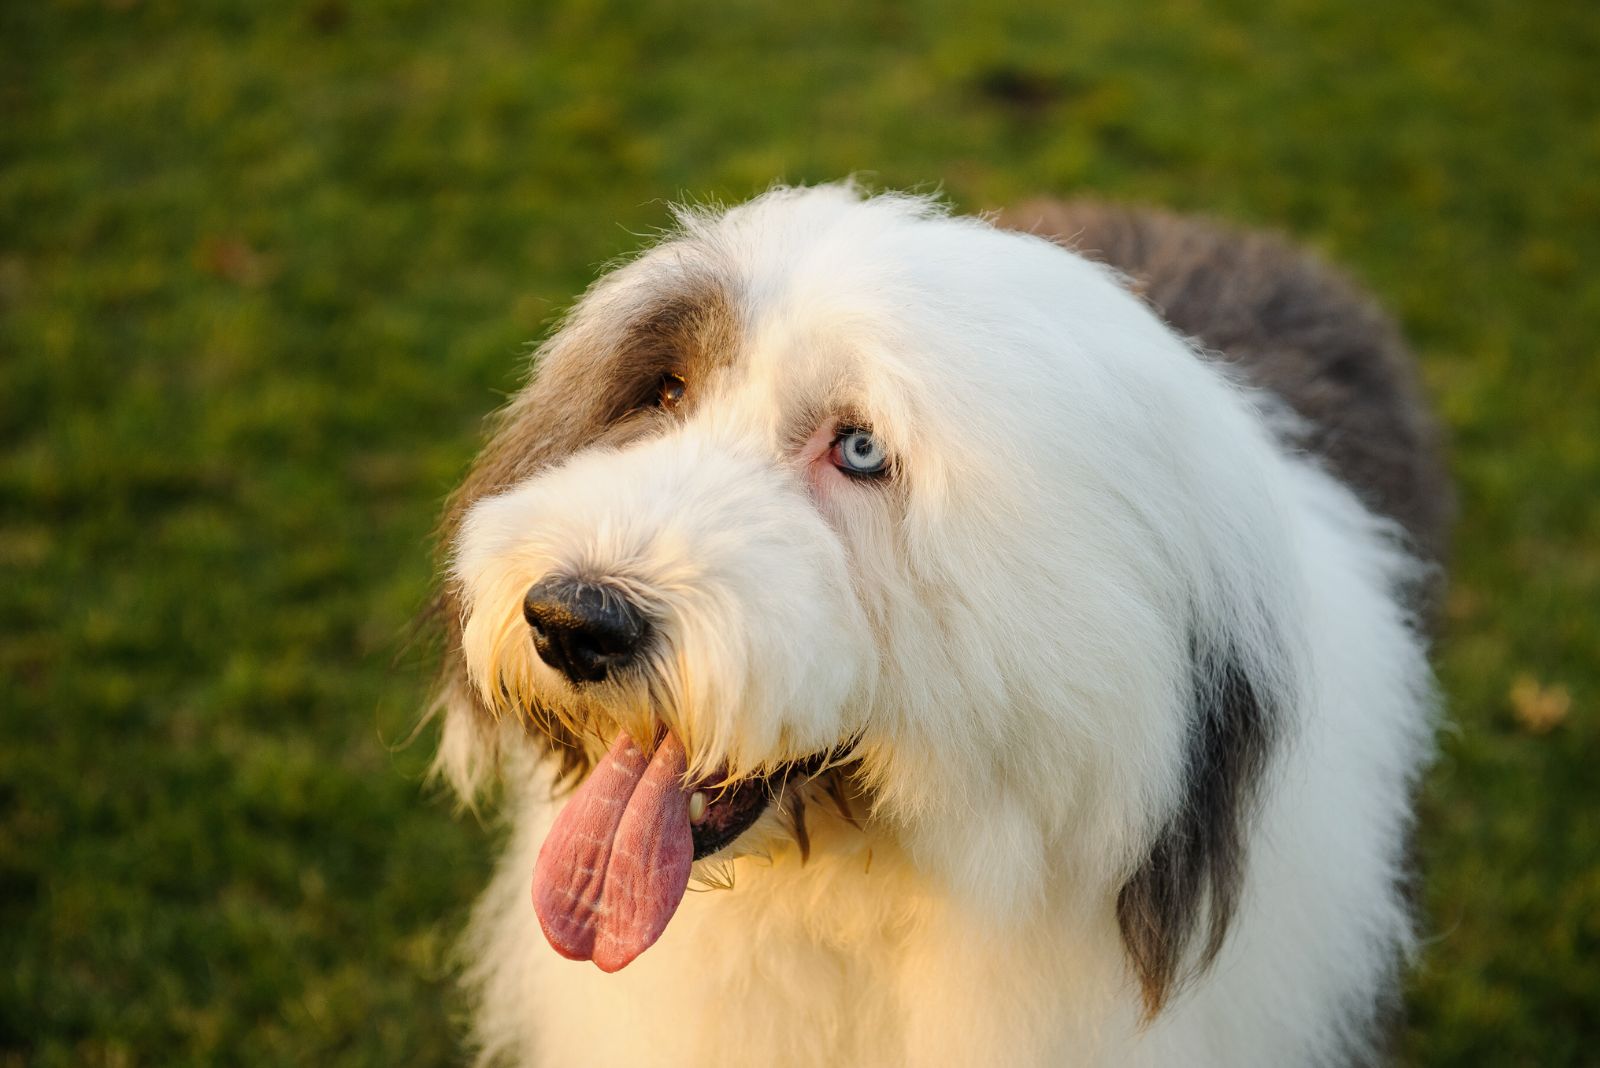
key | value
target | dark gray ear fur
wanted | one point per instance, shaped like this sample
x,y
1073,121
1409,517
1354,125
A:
x,y
1175,909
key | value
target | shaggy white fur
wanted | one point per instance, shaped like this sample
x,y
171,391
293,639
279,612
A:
x,y
1087,534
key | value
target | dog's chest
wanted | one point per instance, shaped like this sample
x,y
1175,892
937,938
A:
x,y
813,964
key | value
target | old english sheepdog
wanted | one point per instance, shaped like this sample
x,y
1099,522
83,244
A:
x,y
916,640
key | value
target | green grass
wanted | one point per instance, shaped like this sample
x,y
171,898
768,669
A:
x,y
263,269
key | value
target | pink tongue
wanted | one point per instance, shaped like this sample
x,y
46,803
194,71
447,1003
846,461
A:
x,y
616,863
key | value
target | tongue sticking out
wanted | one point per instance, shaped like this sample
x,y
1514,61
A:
x,y
617,860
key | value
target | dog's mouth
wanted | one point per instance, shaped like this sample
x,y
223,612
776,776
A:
x,y
617,860
720,812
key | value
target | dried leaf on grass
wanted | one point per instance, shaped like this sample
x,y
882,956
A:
x,y
1538,708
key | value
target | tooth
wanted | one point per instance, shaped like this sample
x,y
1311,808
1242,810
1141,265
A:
x,y
697,806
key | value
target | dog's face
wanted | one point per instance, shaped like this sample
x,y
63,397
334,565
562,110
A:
x,y
823,479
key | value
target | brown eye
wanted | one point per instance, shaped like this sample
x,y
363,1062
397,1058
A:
x,y
670,393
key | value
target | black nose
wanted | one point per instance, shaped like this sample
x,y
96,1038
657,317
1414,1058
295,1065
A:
x,y
582,629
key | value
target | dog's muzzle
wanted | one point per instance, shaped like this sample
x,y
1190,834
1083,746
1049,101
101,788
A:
x,y
584,630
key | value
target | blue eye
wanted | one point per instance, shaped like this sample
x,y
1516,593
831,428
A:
x,y
857,452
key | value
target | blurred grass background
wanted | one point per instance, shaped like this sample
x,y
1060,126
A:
x,y
263,268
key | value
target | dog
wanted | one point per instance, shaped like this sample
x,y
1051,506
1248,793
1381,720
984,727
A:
x,y
907,639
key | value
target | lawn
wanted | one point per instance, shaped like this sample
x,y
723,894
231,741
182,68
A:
x,y
263,269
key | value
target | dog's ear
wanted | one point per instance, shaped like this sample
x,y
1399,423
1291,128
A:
x,y
1175,909
468,754
468,757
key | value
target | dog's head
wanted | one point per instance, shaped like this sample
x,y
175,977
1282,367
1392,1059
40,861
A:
x,y
833,480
